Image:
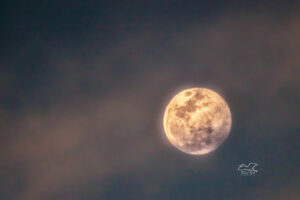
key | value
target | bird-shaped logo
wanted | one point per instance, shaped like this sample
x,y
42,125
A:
x,y
248,170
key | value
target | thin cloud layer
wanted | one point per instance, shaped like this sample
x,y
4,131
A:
x,y
96,117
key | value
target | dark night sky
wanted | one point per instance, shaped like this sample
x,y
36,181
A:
x,y
84,84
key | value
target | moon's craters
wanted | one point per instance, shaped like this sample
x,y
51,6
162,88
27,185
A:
x,y
197,120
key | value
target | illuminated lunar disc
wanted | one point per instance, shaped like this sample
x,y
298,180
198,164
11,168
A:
x,y
197,121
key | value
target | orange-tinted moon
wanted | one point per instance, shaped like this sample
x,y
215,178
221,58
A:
x,y
197,121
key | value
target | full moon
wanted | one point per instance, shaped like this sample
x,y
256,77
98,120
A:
x,y
197,121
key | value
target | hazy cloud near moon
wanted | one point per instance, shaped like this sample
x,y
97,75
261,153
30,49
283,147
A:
x,y
89,123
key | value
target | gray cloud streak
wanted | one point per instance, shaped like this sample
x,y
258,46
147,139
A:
x,y
103,107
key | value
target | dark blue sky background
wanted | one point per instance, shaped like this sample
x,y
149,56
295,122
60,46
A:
x,y
84,84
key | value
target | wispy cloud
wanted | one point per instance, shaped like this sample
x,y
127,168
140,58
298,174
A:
x,y
98,113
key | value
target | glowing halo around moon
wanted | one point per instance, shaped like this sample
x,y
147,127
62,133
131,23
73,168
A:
x,y
197,121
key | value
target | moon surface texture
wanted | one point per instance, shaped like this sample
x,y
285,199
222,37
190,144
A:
x,y
197,121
